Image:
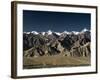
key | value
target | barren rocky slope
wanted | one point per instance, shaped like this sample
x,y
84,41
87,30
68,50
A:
x,y
53,43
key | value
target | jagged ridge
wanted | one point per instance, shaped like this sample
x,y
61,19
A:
x,y
56,43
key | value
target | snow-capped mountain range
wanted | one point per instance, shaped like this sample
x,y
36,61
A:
x,y
54,43
50,32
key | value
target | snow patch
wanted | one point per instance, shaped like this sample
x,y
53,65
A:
x,y
34,32
49,32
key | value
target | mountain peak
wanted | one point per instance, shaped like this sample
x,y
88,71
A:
x,y
26,32
75,32
58,33
43,33
34,32
49,32
84,30
66,32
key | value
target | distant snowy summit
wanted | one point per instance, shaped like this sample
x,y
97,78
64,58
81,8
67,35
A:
x,y
50,32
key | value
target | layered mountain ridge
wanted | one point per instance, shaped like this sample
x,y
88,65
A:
x,y
57,43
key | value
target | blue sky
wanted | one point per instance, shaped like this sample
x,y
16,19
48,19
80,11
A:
x,y
56,21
